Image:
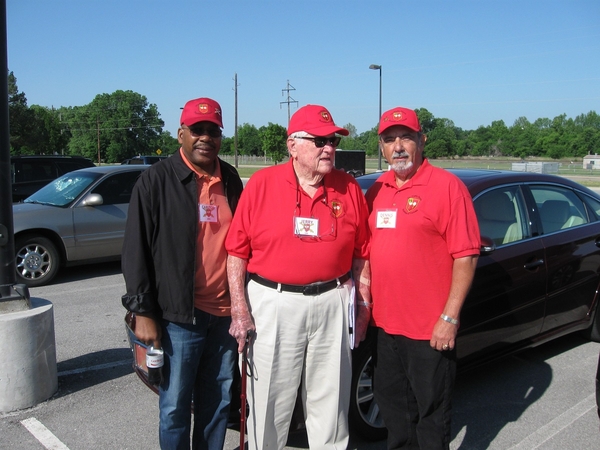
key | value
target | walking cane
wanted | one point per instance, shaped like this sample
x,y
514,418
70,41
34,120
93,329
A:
x,y
243,392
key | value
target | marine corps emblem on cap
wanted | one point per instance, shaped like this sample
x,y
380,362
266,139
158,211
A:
x,y
325,116
397,115
204,109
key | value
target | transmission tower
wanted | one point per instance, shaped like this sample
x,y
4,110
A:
x,y
289,99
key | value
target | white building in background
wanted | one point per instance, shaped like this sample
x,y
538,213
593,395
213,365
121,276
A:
x,y
591,162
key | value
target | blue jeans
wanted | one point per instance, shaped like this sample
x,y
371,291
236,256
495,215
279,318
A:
x,y
199,362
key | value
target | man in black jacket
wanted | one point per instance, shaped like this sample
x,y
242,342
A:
x,y
174,264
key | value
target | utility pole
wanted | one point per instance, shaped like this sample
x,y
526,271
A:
x,y
98,137
289,99
235,131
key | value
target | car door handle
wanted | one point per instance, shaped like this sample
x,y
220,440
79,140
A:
x,y
534,264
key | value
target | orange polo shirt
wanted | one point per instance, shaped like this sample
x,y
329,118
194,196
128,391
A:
x,y
211,291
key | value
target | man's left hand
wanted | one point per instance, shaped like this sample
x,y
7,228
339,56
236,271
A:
x,y
444,336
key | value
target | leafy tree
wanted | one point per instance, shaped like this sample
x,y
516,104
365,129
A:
x,y
426,120
49,138
21,120
273,138
115,126
249,142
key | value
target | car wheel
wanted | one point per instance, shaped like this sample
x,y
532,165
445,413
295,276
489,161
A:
x,y
37,260
364,415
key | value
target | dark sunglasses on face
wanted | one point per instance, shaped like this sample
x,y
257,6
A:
x,y
197,131
320,142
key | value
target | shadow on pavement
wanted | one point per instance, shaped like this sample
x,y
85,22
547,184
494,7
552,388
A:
x,y
488,398
92,369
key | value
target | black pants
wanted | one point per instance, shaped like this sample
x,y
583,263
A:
x,y
413,387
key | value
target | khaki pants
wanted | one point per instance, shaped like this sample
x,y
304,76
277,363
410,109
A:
x,y
300,341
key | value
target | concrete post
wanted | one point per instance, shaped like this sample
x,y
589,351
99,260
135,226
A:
x,y
28,373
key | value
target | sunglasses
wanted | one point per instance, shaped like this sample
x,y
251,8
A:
x,y
321,142
212,131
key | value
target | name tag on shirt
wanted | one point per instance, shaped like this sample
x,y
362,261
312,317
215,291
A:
x,y
386,218
208,213
306,226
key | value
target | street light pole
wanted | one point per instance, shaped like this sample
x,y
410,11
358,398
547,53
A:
x,y
378,67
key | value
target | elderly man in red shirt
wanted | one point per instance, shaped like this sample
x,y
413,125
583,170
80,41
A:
x,y
301,233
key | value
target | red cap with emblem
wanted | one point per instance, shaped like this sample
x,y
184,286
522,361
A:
x,y
201,110
399,116
316,120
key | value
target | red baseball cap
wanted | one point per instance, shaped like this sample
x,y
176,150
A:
x,y
316,120
200,110
399,116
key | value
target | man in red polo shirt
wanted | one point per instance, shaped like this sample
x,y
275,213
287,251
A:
x,y
424,250
299,230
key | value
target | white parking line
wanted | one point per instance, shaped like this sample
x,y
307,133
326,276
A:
x,y
43,434
555,426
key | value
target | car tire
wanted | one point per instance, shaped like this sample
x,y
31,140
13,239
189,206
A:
x,y
364,416
37,260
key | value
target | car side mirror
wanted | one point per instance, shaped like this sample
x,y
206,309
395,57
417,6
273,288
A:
x,y
487,245
92,200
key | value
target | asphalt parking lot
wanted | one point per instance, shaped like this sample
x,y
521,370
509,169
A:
x,y
543,398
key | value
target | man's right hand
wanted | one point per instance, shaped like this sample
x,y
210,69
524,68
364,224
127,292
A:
x,y
148,330
239,329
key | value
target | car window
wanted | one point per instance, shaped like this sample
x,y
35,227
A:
x,y
63,190
594,207
502,215
34,171
117,188
559,208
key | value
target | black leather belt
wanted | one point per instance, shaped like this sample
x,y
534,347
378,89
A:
x,y
306,289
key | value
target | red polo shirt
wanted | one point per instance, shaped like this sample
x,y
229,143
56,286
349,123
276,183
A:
x,y
411,264
262,230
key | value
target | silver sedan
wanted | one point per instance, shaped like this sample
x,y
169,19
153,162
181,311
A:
x,y
77,218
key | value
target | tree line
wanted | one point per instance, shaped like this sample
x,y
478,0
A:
x,y
113,127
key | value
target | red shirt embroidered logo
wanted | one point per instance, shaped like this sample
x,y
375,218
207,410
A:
x,y
337,208
411,204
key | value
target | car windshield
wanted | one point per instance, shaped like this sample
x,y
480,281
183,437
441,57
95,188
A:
x,y
63,190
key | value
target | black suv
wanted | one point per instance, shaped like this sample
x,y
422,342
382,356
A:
x,y
30,173
144,159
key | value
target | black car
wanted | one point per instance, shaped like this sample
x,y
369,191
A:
x,y
537,277
30,173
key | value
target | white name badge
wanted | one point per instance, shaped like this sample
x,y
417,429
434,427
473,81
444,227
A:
x,y
306,226
386,218
208,213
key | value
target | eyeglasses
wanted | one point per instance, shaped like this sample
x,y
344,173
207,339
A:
x,y
320,142
197,131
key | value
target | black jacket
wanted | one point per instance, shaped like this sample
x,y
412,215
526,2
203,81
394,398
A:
x,y
159,249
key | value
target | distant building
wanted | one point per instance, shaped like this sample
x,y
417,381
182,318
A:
x,y
591,162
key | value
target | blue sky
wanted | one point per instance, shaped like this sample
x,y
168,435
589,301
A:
x,y
472,62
